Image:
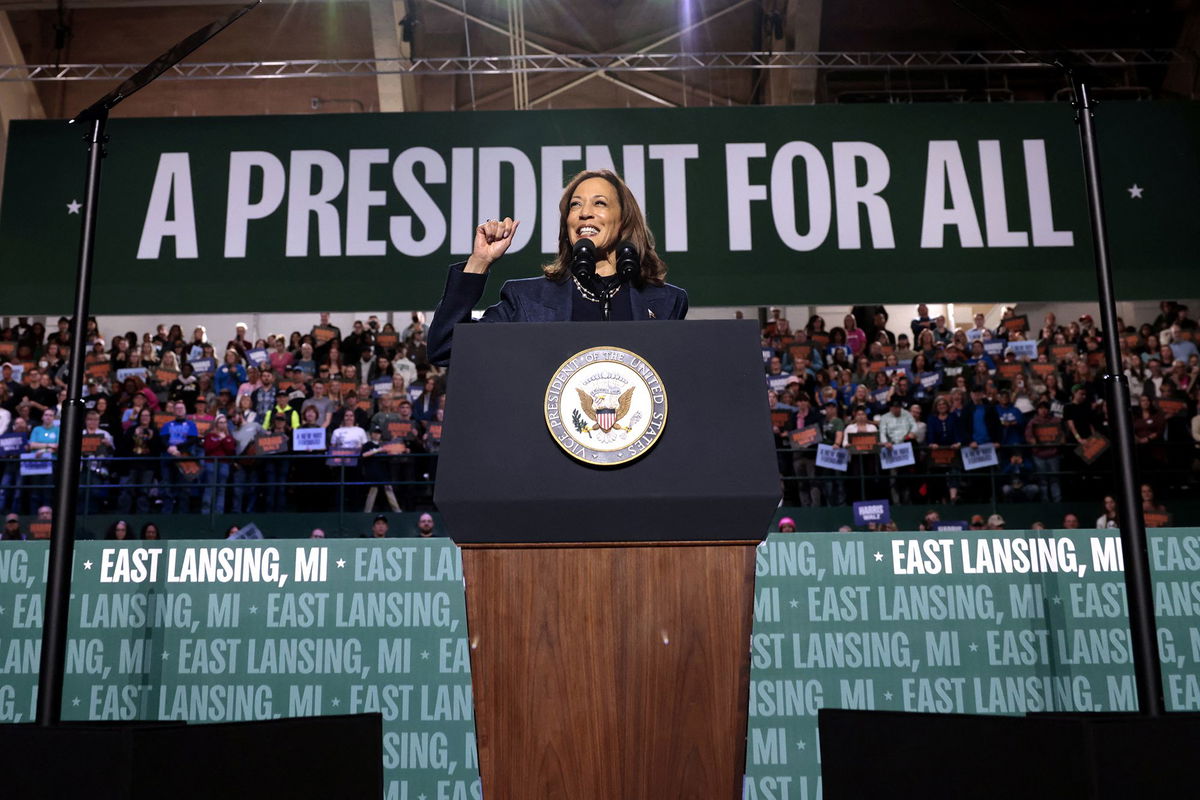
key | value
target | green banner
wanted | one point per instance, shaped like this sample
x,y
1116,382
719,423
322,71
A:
x,y
1011,623
225,632
798,205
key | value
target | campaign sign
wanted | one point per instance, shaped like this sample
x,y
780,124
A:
x,y
414,392
324,333
834,458
993,347
305,439
36,464
381,387
345,456
930,380
804,437
204,366
12,443
978,457
258,356
872,511
898,455
1024,350
131,372
951,525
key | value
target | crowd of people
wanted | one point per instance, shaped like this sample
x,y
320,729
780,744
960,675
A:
x,y
177,424
308,421
1032,391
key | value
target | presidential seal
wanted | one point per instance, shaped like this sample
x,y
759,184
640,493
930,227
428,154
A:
x,y
605,406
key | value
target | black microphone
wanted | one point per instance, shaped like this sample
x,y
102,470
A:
x,y
583,261
629,263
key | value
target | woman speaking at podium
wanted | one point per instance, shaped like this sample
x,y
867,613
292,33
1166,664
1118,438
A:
x,y
606,268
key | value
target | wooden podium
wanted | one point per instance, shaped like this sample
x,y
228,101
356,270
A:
x,y
609,610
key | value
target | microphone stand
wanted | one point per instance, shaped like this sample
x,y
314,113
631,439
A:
x,y
1138,586
62,533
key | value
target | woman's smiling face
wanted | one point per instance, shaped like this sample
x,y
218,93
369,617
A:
x,y
594,212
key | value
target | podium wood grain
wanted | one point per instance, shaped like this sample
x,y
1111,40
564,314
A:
x,y
610,671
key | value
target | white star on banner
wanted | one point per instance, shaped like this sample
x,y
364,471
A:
x,y
879,556
794,603
887,695
335,702
75,702
253,609
165,655
1,609
341,562
87,565
424,655
1135,192
1058,601
800,745
974,648
73,207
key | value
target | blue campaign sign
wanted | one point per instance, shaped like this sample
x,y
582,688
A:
x,y
952,525
306,439
204,366
1024,350
868,511
835,458
12,443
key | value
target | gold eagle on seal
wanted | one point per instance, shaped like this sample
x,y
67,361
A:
x,y
605,417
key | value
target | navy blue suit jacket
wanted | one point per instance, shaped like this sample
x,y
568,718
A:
x,y
532,300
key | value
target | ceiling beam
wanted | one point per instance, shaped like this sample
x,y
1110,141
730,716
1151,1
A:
x,y
801,31
654,45
397,92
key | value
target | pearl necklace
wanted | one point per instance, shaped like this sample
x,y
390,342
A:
x,y
591,296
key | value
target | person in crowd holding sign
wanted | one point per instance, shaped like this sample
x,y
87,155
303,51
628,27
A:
x,y
596,205
43,442
12,443
219,448
376,471
1045,432
897,426
803,440
97,448
141,448
864,461
181,442
274,446
345,444
833,431
943,433
1149,425
307,468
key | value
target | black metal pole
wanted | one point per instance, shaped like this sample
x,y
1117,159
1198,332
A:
x,y
62,536
1138,590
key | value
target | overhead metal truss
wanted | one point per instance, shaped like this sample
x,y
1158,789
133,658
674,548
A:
x,y
609,63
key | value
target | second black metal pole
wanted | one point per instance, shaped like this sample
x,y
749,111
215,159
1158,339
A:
x,y
1147,670
62,536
